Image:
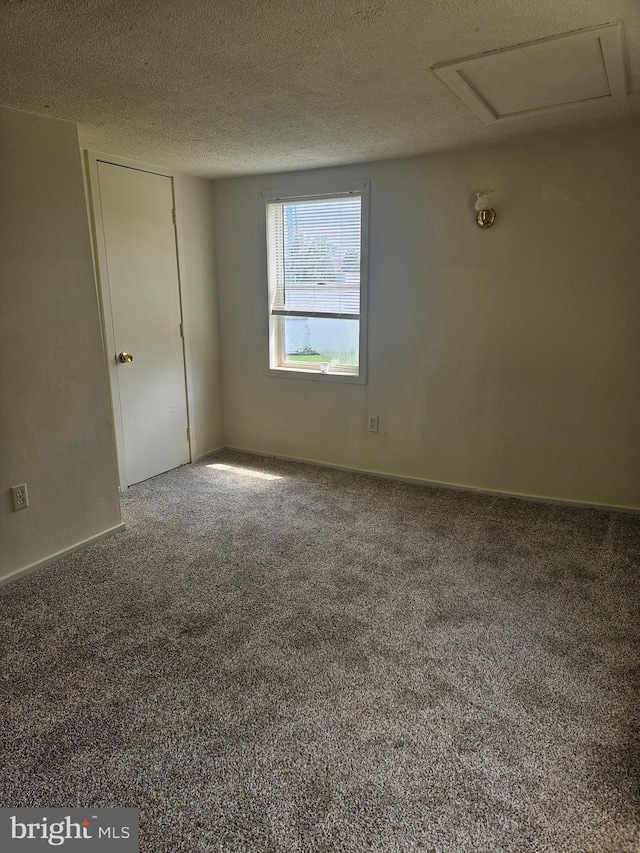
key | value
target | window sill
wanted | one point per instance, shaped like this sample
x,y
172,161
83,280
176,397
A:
x,y
316,375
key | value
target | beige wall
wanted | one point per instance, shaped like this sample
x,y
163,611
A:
x,y
55,429
200,311
503,360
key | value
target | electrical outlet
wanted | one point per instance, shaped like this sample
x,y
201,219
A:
x,y
373,423
19,497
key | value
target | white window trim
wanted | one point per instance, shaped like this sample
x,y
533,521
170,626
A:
x,y
313,372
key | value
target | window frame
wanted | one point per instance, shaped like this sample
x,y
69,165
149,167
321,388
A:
x,y
273,325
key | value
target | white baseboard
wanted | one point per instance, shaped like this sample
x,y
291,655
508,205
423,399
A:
x,y
437,484
210,452
26,570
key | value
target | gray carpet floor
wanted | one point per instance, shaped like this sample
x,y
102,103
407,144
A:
x,y
323,661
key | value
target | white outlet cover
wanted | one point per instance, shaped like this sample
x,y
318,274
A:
x,y
19,497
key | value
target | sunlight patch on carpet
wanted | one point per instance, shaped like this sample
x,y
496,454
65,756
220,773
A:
x,y
246,472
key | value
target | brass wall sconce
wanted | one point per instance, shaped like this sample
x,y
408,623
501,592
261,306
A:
x,y
485,214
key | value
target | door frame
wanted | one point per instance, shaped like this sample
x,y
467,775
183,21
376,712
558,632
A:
x,y
91,160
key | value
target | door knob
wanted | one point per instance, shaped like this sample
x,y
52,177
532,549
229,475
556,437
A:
x,y
125,357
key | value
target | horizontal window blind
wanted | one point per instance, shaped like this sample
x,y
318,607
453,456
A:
x,y
313,249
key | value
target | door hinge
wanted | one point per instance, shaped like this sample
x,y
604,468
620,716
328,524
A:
x,y
173,214
181,330
188,434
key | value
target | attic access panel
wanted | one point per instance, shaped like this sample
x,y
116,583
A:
x,y
582,66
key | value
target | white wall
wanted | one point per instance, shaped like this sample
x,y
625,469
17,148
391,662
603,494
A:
x,y
55,428
504,359
200,312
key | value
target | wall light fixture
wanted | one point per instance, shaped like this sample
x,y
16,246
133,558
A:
x,y
485,214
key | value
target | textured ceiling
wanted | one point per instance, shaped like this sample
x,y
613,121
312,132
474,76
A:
x,y
221,87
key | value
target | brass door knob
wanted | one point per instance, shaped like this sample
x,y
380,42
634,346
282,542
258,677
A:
x,y
125,357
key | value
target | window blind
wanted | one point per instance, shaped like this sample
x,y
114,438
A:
x,y
313,250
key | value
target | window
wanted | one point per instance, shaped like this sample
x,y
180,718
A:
x,y
316,274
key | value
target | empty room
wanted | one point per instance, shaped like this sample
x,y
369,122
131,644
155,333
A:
x,y
320,426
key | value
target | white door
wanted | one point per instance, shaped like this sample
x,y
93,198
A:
x,y
143,289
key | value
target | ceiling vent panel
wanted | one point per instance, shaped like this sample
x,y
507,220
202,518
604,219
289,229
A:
x,y
576,67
